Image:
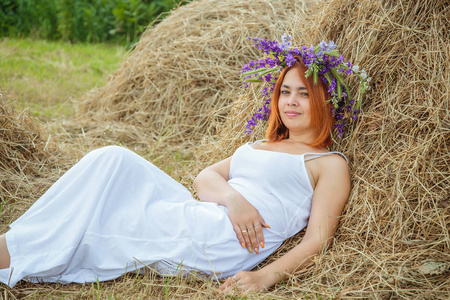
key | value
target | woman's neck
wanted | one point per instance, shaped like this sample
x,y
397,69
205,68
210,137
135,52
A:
x,y
304,137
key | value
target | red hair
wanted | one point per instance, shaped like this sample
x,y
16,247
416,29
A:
x,y
321,117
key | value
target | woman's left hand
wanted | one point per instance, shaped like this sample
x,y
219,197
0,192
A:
x,y
246,281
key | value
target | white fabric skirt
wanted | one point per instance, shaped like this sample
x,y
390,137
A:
x,y
114,212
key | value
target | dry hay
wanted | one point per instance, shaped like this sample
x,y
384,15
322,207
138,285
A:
x,y
183,73
26,158
393,241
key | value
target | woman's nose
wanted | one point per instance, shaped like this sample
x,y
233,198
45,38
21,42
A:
x,y
292,100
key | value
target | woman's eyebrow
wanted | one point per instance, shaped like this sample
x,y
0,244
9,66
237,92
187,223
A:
x,y
288,87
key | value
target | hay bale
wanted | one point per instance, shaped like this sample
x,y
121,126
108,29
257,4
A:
x,y
396,223
183,73
25,154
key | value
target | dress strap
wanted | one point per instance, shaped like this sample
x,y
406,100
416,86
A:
x,y
259,141
317,155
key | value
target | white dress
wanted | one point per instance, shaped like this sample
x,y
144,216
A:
x,y
114,212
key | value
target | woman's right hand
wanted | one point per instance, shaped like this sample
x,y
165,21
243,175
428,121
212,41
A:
x,y
212,186
247,223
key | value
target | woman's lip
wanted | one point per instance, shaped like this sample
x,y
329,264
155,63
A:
x,y
292,113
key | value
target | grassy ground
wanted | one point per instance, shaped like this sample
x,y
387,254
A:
x,y
48,77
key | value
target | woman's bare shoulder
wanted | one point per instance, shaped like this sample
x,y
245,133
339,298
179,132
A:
x,y
333,165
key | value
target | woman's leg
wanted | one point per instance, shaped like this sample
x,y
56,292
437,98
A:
x,y
92,222
4,254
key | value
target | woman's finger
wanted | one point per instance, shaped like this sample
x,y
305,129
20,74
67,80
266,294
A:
x,y
240,236
232,285
259,234
253,239
226,284
248,243
264,224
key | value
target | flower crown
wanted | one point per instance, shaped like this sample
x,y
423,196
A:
x,y
322,61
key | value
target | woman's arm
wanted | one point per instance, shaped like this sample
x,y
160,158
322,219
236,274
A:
x,y
212,186
211,183
330,195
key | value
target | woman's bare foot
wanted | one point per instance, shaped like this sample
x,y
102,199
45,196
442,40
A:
x,y
4,254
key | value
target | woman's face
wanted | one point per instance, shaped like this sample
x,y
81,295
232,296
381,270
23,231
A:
x,y
293,104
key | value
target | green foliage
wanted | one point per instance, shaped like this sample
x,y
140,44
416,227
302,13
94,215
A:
x,y
119,21
27,17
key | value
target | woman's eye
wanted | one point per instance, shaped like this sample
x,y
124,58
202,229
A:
x,y
304,94
285,92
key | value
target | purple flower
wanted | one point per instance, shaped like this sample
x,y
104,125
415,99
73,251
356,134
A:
x,y
286,38
331,45
290,59
339,126
294,51
320,55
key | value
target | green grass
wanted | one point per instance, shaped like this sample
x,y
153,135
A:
x,y
48,77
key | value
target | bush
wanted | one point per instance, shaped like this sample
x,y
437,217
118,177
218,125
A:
x,y
119,21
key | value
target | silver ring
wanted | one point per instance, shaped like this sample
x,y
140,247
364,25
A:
x,y
234,278
249,229
256,224
244,231
240,283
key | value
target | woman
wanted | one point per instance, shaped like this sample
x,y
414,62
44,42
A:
x,y
114,212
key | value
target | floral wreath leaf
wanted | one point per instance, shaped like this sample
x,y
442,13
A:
x,y
340,81
315,75
328,78
253,80
358,104
339,90
254,71
266,71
